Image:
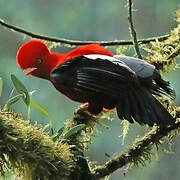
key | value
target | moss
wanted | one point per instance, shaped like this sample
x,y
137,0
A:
x,y
162,54
29,152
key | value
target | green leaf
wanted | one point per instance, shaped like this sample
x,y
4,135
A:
x,y
21,89
74,130
12,100
56,136
60,131
107,155
39,108
1,86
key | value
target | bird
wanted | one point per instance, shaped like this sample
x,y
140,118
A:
x,y
92,74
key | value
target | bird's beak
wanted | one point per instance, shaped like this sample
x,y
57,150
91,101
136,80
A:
x,y
30,72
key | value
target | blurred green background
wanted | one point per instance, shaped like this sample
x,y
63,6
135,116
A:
x,y
87,20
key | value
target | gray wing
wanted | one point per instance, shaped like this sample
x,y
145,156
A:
x,y
140,67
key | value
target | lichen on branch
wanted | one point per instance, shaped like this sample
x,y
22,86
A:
x,y
163,54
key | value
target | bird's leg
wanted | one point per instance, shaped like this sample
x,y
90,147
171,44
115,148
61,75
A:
x,y
95,108
82,108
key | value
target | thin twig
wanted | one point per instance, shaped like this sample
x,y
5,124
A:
x,y
132,30
134,153
160,65
174,54
77,42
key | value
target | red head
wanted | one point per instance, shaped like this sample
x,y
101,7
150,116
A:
x,y
35,55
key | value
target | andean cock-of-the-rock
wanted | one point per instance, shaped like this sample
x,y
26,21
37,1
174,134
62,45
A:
x,y
92,74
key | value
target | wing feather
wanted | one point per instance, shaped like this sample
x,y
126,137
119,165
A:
x,y
93,76
109,83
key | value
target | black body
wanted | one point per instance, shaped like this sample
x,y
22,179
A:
x,y
115,82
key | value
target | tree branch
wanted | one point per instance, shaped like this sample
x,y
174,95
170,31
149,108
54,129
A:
x,y
27,146
31,153
163,54
138,152
132,30
77,42
174,54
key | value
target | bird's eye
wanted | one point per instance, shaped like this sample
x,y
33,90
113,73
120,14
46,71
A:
x,y
39,61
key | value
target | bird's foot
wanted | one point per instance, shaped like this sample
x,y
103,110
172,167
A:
x,y
82,108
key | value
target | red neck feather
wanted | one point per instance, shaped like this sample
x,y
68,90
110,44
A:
x,y
54,59
88,49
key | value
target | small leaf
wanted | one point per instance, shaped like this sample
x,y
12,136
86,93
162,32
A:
x,y
39,108
60,131
52,131
56,136
12,101
74,130
21,89
1,86
107,155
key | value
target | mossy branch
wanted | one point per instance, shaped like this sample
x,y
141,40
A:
x,y
138,152
29,152
163,54
77,42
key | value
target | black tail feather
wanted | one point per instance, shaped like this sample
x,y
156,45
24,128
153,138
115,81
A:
x,y
142,106
139,105
127,110
161,86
